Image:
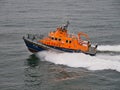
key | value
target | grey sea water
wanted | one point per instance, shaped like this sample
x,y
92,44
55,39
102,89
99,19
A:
x,y
22,70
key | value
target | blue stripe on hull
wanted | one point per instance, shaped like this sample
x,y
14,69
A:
x,y
64,49
32,47
36,48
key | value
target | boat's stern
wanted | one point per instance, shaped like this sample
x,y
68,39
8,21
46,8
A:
x,y
92,49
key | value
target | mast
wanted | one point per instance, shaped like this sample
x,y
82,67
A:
x,y
65,26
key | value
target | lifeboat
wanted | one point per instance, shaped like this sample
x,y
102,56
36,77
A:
x,y
62,41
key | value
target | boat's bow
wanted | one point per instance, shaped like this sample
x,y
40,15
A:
x,y
32,43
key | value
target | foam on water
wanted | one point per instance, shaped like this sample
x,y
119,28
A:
x,y
114,48
98,62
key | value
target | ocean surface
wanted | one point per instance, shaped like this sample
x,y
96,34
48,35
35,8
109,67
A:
x,y
48,70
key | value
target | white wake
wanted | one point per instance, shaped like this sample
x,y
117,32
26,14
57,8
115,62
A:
x,y
113,48
98,62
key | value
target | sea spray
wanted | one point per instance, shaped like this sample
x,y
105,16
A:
x,y
98,62
113,48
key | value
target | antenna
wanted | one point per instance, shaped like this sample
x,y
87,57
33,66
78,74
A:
x,y
65,26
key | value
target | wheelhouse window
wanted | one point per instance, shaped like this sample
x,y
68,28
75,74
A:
x,y
66,41
59,39
55,38
52,38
